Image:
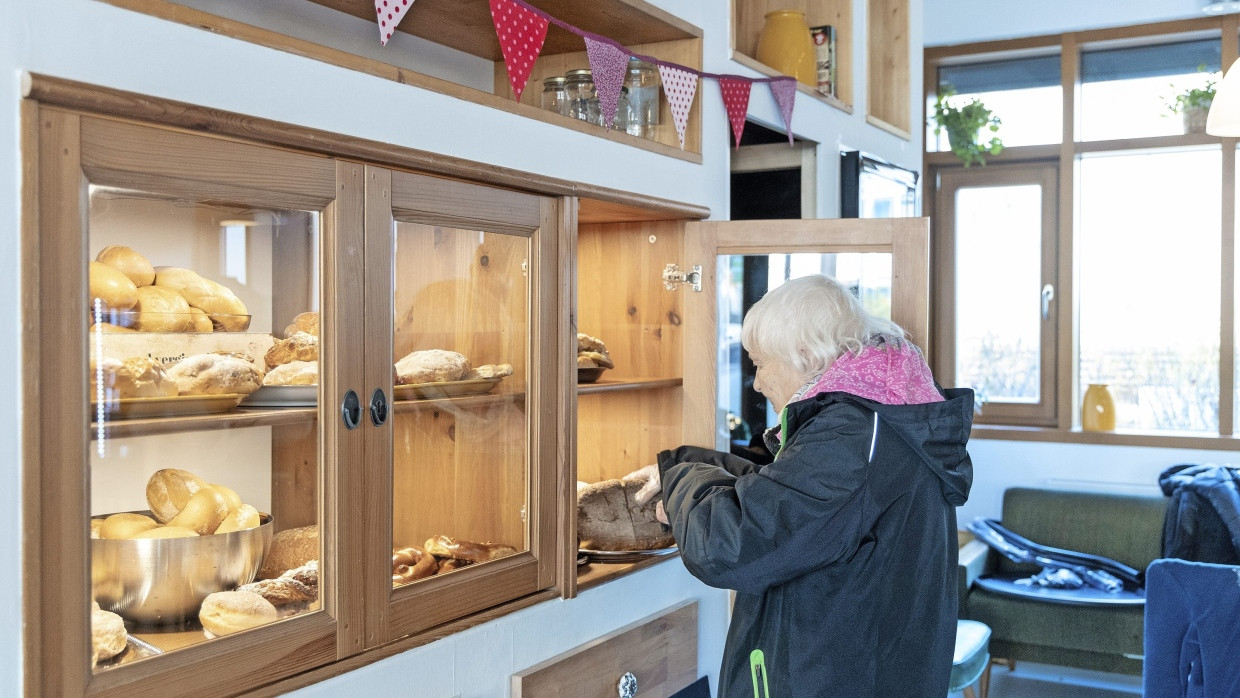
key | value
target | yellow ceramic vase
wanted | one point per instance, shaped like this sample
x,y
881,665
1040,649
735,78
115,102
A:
x,y
786,46
1098,409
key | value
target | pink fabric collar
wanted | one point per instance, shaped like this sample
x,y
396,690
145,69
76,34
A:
x,y
893,373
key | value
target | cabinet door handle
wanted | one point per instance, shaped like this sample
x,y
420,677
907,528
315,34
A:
x,y
378,407
351,410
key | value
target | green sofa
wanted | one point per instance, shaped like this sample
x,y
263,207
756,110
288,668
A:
x,y
1126,528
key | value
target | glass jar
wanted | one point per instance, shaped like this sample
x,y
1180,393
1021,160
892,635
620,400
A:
x,y
582,99
641,79
624,112
554,98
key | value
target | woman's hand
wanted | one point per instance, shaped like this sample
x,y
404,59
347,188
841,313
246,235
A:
x,y
653,487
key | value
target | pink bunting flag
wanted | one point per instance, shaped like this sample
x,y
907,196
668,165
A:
x,y
784,90
521,34
680,86
607,64
389,13
736,101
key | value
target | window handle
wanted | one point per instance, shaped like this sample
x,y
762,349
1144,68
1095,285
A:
x,y
1048,295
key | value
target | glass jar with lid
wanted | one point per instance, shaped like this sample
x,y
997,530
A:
x,y
642,81
554,98
582,98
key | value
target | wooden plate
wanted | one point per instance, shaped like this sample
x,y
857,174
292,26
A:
x,y
589,375
625,556
136,407
416,391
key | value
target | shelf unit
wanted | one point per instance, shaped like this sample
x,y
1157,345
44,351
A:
x,y
749,16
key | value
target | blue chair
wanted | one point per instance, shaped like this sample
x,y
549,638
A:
x,y
1192,629
971,660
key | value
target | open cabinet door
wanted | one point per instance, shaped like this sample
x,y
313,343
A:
x,y
887,259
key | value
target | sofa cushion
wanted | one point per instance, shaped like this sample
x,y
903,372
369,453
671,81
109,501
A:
x,y
1108,629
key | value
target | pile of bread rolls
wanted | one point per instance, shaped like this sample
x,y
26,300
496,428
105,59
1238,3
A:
x,y
182,505
294,360
592,353
136,296
258,603
198,374
441,554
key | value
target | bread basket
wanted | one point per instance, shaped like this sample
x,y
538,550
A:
x,y
163,581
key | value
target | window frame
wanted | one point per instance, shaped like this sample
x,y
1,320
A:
x,y
1063,426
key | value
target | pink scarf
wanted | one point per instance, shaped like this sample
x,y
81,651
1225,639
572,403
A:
x,y
893,373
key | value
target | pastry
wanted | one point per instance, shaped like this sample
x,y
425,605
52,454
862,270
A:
x,y
599,358
112,288
307,322
609,517
107,634
445,546
129,263
169,489
203,512
490,371
585,362
299,346
290,548
166,532
227,311
215,374
228,612
135,377
161,310
121,526
431,366
592,353
307,574
293,373
286,594
241,518
411,564
451,564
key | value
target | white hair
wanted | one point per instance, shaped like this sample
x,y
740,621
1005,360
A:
x,y
808,322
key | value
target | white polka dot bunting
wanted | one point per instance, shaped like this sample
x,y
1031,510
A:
x,y
521,34
389,13
680,86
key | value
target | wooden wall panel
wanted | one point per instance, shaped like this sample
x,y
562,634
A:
x,y
619,432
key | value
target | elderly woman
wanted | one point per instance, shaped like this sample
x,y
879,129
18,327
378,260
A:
x,y
843,550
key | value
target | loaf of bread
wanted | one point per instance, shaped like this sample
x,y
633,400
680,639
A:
x,y
107,634
111,287
489,371
135,377
299,346
227,311
609,517
289,549
129,263
307,322
161,310
168,490
215,374
228,612
293,373
431,366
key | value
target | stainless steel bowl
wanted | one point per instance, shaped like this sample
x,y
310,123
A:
x,y
163,581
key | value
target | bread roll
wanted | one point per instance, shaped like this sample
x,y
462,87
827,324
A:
x,y
129,263
96,525
203,513
241,518
122,526
109,327
166,532
215,374
135,377
161,310
107,634
300,346
214,299
202,321
290,548
293,373
305,322
110,286
169,489
431,366
228,612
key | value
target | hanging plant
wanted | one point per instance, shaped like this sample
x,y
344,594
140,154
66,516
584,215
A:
x,y
964,125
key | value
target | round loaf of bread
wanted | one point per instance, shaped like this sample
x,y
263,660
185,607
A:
x,y
134,377
431,366
290,548
129,263
111,287
227,311
293,373
126,525
107,634
169,489
215,374
161,310
166,532
299,346
203,513
307,322
228,612
242,518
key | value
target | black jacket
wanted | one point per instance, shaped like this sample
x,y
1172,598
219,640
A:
x,y
1203,515
842,551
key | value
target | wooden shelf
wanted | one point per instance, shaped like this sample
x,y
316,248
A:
x,y
466,25
604,385
463,401
593,574
234,419
765,69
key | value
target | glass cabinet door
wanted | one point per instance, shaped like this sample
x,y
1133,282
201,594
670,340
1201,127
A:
x,y
471,327
188,474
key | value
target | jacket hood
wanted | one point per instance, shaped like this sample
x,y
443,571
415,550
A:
x,y
936,431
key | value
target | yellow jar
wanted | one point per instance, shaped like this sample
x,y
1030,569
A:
x,y
786,46
1098,409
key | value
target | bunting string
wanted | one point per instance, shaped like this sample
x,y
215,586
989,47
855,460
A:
x,y
522,28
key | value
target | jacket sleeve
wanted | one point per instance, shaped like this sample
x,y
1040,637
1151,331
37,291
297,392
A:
x,y
758,528
694,454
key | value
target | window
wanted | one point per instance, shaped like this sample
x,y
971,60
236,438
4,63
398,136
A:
x,y
1023,92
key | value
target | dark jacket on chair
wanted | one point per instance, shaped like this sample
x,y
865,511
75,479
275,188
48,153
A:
x,y
842,551
1203,516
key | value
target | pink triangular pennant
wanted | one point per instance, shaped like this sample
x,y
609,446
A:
x,y
521,34
784,90
736,101
680,86
607,64
389,14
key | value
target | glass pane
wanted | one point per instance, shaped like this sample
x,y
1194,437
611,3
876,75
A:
x,y
194,467
1149,286
743,413
883,196
1131,92
460,427
1024,93
998,285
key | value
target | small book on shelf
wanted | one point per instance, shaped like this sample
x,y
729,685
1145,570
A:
x,y
824,50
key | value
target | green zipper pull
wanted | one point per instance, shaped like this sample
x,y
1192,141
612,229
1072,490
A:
x,y
757,665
